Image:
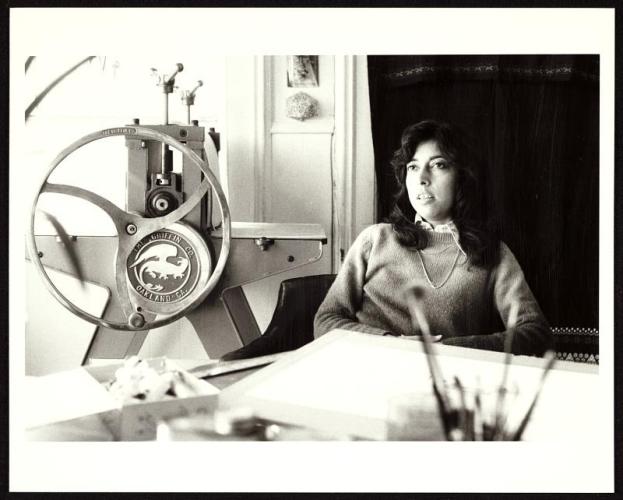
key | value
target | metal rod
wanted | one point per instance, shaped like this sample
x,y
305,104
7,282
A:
x,y
166,108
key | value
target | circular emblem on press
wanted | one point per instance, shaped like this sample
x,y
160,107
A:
x,y
163,267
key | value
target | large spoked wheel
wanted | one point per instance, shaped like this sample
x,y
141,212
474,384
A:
x,y
145,245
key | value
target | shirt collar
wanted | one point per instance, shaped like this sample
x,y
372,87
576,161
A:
x,y
450,227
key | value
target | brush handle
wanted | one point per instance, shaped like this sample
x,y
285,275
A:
x,y
508,347
418,315
551,359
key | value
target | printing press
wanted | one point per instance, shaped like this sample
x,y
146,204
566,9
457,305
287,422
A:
x,y
177,254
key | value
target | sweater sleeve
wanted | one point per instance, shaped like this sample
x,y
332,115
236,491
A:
x,y
531,333
340,306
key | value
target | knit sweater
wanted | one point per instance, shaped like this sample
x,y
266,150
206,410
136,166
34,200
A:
x,y
471,309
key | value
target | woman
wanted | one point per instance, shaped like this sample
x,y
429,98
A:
x,y
438,239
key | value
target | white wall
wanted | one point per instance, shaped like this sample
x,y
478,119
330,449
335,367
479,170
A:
x,y
320,170
355,182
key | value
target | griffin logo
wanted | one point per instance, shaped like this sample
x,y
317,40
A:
x,y
155,263
163,267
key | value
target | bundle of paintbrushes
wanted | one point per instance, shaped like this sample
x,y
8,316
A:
x,y
463,414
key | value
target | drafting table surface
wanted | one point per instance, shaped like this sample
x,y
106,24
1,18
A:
x,y
342,382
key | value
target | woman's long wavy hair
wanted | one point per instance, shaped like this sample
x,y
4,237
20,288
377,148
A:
x,y
479,235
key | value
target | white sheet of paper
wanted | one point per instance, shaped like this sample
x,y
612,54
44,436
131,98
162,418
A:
x,y
63,396
346,384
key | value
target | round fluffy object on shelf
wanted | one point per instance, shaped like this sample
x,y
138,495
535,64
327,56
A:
x,y
301,106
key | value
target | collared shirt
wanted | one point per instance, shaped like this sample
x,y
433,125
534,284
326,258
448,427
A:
x,y
450,227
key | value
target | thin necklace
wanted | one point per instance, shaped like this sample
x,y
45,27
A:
x,y
456,259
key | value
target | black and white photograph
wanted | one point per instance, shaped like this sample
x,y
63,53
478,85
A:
x,y
230,260
302,71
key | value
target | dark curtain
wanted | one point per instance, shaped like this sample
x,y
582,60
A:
x,y
535,120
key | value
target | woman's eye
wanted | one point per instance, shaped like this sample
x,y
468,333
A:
x,y
411,166
440,165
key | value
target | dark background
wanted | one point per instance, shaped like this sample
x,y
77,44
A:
x,y
535,120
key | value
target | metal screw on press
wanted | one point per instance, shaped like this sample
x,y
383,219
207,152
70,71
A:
x,y
137,320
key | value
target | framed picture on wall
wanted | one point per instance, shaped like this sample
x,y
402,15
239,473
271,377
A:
x,y
302,71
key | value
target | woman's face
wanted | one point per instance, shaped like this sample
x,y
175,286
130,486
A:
x,y
431,183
